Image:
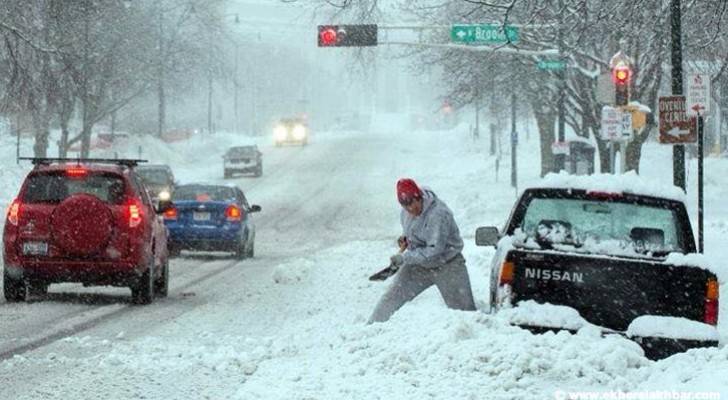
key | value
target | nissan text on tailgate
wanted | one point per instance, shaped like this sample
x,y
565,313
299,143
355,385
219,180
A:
x,y
617,250
89,221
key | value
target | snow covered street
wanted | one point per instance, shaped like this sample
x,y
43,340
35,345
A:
x,y
291,323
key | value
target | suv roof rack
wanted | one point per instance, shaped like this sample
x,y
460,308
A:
x,y
127,162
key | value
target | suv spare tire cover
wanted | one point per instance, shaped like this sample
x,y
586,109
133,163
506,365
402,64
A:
x,y
81,225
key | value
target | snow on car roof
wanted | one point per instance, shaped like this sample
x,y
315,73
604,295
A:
x,y
629,182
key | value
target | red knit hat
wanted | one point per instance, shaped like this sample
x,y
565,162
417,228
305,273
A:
x,y
407,190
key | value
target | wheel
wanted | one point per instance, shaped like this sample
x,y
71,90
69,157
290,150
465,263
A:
x,y
227,174
251,251
142,291
173,251
240,253
15,289
161,285
37,288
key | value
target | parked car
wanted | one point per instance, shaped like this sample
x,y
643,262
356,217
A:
x,y
614,250
211,218
158,179
88,221
242,159
291,131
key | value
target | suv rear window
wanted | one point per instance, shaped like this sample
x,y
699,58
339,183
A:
x,y
204,193
57,186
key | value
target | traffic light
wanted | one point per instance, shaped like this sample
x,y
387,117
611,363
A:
x,y
622,77
347,35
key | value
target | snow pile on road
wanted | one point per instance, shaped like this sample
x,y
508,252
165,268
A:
x,y
291,273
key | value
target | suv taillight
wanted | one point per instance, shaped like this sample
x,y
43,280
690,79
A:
x,y
134,212
711,302
14,212
233,213
171,213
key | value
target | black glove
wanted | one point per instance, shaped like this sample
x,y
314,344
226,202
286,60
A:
x,y
397,260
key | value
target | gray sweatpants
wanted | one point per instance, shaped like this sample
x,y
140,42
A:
x,y
451,279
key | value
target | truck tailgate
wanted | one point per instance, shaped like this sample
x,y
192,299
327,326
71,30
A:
x,y
609,291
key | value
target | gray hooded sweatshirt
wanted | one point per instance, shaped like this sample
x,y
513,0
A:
x,y
433,236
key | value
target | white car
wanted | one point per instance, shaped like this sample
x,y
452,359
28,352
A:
x,y
291,131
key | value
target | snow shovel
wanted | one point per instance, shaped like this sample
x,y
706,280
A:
x,y
391,269
385,273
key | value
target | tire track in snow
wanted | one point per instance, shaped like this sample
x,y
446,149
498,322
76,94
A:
x,y
81,321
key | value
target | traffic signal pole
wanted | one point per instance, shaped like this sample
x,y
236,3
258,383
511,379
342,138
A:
x,y
678,150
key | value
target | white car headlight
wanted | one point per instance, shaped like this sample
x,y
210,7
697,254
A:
x,y
164,195
299,132
280,133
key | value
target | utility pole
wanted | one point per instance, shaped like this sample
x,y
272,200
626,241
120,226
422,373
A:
x,y
235,82
492,117
476,131
160,78
560,159
678,150
514,144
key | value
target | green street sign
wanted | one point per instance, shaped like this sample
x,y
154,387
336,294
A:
x,y
483,34
551,65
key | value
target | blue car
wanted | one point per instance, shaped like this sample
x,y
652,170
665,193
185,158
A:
x,y
211,218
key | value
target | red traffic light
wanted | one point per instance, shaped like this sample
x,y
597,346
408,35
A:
x,y
621,74
347,35
327,36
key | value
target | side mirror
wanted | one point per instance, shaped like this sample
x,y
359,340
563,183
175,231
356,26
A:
x,y
486,236
254,208
163,205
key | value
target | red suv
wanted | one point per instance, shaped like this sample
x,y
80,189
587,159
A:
x,y
88,221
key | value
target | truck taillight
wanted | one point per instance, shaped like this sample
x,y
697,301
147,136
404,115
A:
x,y
134,213
711,302
14,212
506,275
170,213
233,213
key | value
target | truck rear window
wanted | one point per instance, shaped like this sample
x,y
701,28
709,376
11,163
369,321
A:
x,y
589,222
154,176
57,186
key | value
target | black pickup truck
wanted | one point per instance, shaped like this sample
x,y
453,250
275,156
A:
x,y
605,255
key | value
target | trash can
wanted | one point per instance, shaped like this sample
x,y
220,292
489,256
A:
x,y
580,160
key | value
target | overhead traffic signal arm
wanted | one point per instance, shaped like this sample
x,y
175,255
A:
x,y
347,35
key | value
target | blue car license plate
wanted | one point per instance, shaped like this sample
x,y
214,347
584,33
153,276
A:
x,y
35,248
201,216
